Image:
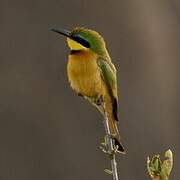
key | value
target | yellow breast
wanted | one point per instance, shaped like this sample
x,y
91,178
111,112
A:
x,y
83,73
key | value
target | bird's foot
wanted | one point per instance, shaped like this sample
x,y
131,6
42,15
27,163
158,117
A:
x,y
99,100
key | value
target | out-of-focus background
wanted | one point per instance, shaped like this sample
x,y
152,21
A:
x,y
46,130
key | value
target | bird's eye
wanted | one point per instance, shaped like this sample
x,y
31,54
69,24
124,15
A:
x,y
81,40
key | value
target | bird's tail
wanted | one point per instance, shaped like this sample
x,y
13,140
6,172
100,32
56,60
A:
x,y
115,134
113,124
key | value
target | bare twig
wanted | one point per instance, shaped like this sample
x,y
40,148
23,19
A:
x,y
111,149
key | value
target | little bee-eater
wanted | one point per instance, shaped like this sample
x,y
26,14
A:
x,y
92,75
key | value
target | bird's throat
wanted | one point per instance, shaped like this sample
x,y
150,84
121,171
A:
x,y
73,45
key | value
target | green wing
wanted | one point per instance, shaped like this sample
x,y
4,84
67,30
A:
x,y
108,74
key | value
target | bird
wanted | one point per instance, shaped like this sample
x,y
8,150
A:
x,y
92,74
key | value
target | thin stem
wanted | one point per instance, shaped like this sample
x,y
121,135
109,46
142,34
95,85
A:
x,y
110,146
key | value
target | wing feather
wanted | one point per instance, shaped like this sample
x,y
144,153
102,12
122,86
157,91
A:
x,y
108,74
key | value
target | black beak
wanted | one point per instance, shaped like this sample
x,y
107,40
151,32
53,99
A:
x,y
61,31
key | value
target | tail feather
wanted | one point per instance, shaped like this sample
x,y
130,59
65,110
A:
x,y
120,146
115,134
113,123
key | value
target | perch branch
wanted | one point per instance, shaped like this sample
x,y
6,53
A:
x,y
110,147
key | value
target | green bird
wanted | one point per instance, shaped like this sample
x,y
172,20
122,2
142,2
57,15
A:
x,y
92,75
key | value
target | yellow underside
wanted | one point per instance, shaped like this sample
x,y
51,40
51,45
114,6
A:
x,y
84,74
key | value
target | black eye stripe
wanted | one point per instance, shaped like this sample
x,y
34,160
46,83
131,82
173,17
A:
x,y
81,40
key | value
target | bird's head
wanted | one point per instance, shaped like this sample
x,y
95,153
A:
x,y
84,39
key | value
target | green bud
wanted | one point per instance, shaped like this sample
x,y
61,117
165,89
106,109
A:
x,y
157,168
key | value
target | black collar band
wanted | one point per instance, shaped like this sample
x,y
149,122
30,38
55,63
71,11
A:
x,y
74,51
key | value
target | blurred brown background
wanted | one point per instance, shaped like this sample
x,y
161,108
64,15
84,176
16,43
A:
x,y
46,131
